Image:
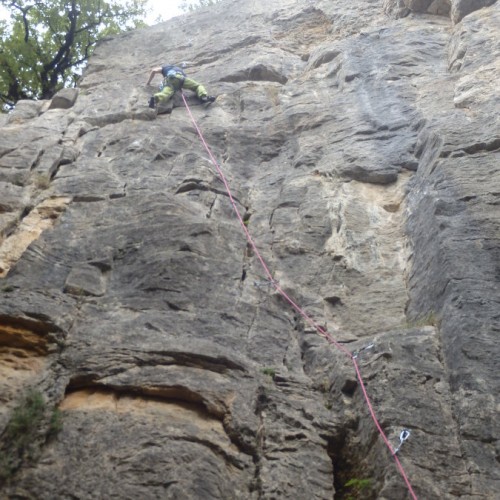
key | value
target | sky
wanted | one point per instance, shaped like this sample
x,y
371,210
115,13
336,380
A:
x,y
164,8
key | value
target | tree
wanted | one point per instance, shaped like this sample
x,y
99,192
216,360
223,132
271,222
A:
x,y
46,43
198,4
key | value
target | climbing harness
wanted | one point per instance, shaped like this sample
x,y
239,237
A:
x,y
173,77
320,330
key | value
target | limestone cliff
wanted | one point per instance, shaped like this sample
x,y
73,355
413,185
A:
x,y
361,143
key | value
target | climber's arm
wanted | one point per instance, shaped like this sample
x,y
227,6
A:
x,y
154,71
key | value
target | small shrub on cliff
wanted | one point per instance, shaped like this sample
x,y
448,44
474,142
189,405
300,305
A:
x,y
55,422
269,371
26,432
25,419
20,433
355,488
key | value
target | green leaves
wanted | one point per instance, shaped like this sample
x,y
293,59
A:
x,y
44,45
31,423
21,433
356,487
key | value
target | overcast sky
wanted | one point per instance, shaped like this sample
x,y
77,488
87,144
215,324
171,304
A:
x,y
164,8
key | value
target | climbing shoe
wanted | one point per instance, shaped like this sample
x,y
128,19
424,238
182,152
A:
x,y
152,102
207,98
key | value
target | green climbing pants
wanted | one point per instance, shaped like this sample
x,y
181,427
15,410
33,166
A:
x,y
170,86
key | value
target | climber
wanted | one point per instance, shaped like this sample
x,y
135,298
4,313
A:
x,y
175,79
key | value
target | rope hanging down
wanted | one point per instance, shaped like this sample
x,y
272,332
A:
x,y
320,330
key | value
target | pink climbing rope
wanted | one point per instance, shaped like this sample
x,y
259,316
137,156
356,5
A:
x,y
321,331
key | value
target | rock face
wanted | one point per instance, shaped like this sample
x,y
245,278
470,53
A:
x,y
362,151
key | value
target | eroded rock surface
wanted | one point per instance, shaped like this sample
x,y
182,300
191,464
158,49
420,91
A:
x,y
362,151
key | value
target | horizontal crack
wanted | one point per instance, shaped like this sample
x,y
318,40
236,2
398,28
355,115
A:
x,y
197,186
27,334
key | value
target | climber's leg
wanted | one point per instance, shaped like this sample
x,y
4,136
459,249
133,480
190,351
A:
x,y
164,95
193,85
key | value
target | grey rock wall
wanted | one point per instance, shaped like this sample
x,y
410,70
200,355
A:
x,y
362,152
455,9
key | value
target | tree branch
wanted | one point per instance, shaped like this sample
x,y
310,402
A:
x,y
15,91
62,60
24,11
